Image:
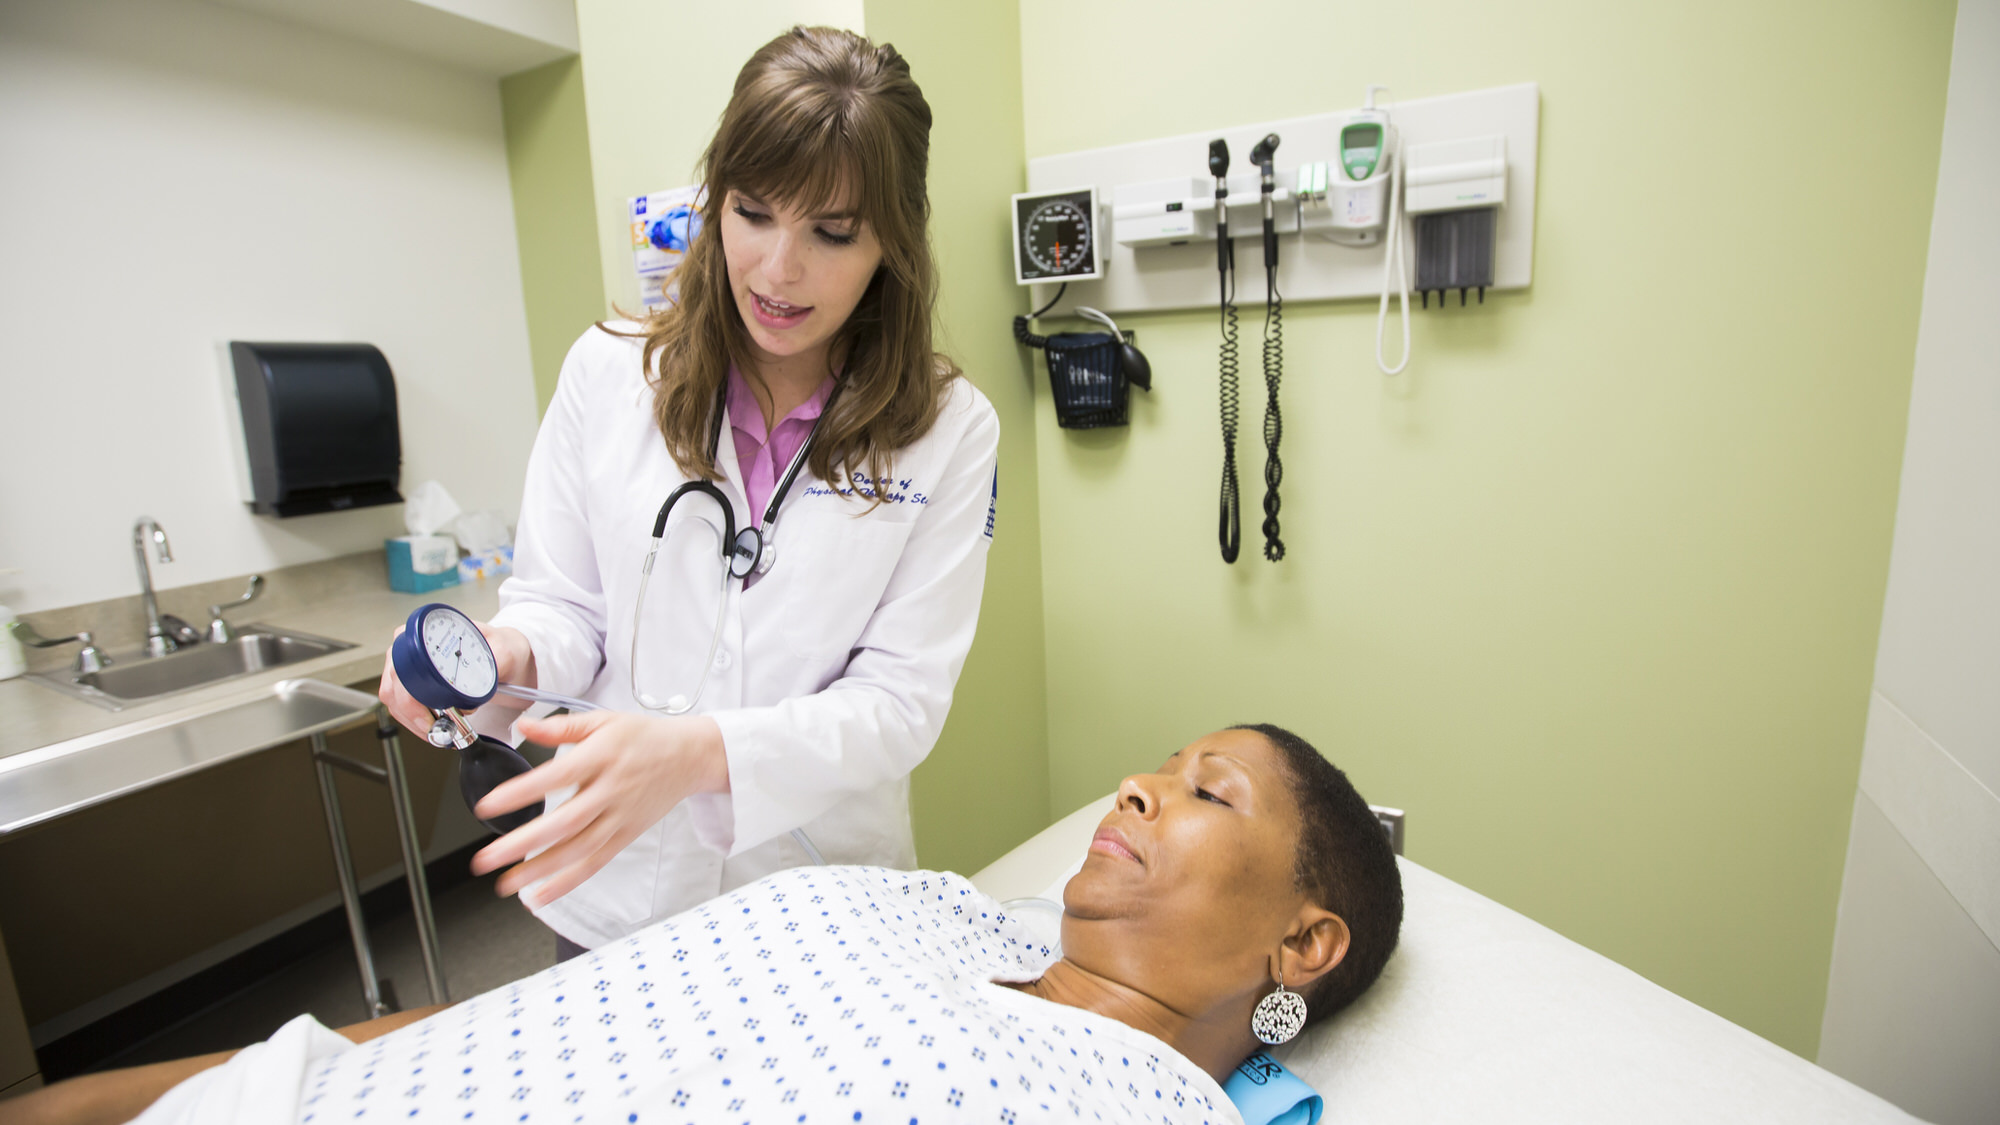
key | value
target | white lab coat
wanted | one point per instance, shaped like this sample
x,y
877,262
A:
x,y
835,668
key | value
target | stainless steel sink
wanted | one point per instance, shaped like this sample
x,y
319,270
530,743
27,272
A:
x,y
135,677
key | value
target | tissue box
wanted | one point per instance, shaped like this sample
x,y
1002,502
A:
x,y
420,563
496,563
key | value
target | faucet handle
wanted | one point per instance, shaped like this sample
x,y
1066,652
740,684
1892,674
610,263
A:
x,y
222,632
89,659
26,634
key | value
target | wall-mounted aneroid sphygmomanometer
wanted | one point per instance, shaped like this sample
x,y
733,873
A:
x,y
1057,237
1340,203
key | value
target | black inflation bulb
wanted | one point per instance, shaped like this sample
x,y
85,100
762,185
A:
x,y
1133,363
482,766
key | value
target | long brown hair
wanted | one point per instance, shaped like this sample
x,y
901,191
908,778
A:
x,y
817,112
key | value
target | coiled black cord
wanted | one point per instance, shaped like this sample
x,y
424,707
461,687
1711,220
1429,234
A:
x,y
1274,422
1021,333
1231,530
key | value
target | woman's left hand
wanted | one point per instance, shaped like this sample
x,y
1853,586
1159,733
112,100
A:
x,y
629,771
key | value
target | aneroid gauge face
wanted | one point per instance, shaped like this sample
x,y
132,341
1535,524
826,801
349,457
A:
x,y
443,659
459,652
1058,236
1055,236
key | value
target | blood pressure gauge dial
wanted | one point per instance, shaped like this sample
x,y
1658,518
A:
x,y
1057,230
445,663
1056,236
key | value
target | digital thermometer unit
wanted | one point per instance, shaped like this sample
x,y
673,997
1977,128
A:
x,y
1361,149
1359,196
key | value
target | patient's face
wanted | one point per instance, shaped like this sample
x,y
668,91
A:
x,y
1189,880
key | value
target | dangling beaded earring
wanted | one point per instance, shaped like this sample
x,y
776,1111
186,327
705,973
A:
x,y
1279,1015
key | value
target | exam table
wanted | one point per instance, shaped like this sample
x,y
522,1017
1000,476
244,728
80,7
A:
x,y
1485,1015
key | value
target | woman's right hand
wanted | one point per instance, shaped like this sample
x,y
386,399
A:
x,y
514,660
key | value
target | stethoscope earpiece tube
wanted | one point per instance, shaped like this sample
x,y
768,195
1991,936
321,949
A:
x,y
706,489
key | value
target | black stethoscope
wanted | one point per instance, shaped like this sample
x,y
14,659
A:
x,y
752,549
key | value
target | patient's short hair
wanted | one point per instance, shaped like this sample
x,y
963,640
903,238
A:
x,y
1345,865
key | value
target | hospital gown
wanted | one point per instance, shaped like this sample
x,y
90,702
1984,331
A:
x,y
818,994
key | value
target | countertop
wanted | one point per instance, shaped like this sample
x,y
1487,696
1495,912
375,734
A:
x,y
344,599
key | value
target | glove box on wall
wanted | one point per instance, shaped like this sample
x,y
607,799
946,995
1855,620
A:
x,y
318,426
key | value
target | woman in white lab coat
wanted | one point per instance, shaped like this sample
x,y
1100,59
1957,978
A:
x,y
804,306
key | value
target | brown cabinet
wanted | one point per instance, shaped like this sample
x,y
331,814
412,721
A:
x,y
18,1072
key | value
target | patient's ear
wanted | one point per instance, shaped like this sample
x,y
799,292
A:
x,y
1318,941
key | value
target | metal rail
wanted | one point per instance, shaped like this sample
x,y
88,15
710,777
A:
x,y
391,774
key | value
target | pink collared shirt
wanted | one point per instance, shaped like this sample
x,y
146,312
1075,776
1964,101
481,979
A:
x,y
761,457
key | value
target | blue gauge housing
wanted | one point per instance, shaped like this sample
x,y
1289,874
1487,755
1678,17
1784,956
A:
x,y
420,675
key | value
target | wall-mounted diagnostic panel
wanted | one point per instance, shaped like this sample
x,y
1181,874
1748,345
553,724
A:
x,y
1339,182
1056,236
1332,205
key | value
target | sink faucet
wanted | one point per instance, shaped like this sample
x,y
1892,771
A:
x,y
158,642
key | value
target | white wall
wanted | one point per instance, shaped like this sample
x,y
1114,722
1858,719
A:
x,y
1913,999
491,37
178,173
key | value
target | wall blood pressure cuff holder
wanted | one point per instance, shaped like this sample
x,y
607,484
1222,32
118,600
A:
x,y
1090,373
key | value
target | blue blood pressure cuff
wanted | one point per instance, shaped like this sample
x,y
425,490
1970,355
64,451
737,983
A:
x,y
1268,1094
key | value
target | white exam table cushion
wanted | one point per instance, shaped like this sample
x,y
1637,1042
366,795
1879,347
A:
x,y
1483,1014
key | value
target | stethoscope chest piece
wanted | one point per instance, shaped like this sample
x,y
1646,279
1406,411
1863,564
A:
x,y
748,554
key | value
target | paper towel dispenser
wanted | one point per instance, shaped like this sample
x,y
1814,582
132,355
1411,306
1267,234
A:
x,y
319,427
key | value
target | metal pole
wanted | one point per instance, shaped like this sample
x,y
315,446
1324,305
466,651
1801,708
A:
x,y
413,856
350,893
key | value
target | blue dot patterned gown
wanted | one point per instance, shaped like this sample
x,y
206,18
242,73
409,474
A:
x,y
818,994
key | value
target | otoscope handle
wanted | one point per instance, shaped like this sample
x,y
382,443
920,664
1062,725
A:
x,y
1222,254
1264,156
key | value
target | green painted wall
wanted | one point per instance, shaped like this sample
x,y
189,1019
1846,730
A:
x,y
548,162
657,78
1593,590
986,786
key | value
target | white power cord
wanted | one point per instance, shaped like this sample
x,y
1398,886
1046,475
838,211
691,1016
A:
x,y
1394,257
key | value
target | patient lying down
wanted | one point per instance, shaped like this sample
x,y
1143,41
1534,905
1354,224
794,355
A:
x,y
851,993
